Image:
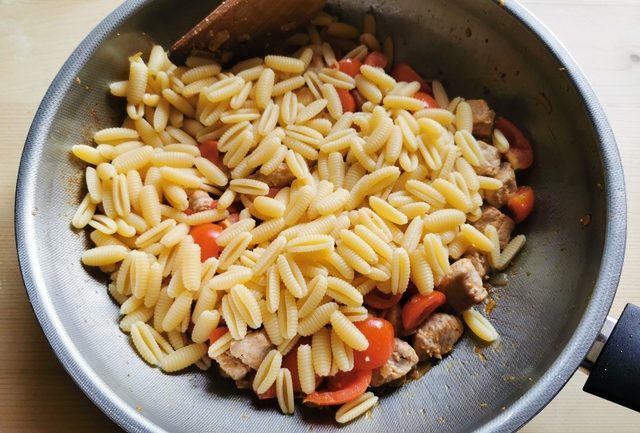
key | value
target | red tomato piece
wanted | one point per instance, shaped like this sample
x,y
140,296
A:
x,y
377,59
520,153
521,203
379,333
217,333
347,100
429,101
404,72
381,301
205,235
350,67
209,150
270,393
343,387
420,307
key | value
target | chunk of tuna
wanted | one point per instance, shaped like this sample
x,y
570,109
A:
x,y
462,286
199,201
491,165
401,361
483,118
280,177
503,224
252,349
499,197
436,337
479,261
231,367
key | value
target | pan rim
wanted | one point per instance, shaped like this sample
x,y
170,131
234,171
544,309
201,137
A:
x,y
512,419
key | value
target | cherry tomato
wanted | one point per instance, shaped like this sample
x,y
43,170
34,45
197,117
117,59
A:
x,y
404,72
379,333
343,387
521,203
350,67
420,307
347,100
270,393
377,59
217,333
205,235
209,150
520,153
381,301
429,101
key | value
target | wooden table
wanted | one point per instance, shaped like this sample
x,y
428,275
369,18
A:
x,y
36,36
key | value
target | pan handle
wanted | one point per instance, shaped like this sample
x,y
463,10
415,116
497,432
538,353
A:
x,y
613,363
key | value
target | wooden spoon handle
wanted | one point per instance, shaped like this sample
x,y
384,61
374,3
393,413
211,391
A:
x,y
236,21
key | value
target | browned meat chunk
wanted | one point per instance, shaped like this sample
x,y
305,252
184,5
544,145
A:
x,y
399,363
232,367
491,165
394,316
499,197
483,117
479,261
199,201
463,286
503,224
436,337
245,382
252,349
280,177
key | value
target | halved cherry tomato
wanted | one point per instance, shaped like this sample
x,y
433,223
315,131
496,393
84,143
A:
x,y
270,393
429,101
379,333
350,67
404,72
420,307
520,153
343,387
217,333
209,150
377,59
348,103
381,301
521,203
205,235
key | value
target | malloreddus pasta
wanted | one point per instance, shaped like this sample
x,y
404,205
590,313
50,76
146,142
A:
x,y
299,219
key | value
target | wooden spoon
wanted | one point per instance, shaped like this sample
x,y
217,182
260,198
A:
x,y
235,21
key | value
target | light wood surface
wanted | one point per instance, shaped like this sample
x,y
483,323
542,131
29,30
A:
x,y
36,36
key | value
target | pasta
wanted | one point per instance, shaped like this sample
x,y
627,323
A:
x,y
284,391
276,205
183,357
355,408
268,372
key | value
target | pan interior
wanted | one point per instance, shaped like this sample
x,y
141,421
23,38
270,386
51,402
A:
x,y
479,50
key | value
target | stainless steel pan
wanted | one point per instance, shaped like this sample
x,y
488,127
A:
x,y
560,288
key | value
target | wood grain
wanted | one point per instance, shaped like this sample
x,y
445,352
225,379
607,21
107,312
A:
x,y
36,36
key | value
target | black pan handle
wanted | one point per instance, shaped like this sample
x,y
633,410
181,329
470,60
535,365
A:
x,y
614,362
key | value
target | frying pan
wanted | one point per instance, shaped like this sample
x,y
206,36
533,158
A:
x,y
549,315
